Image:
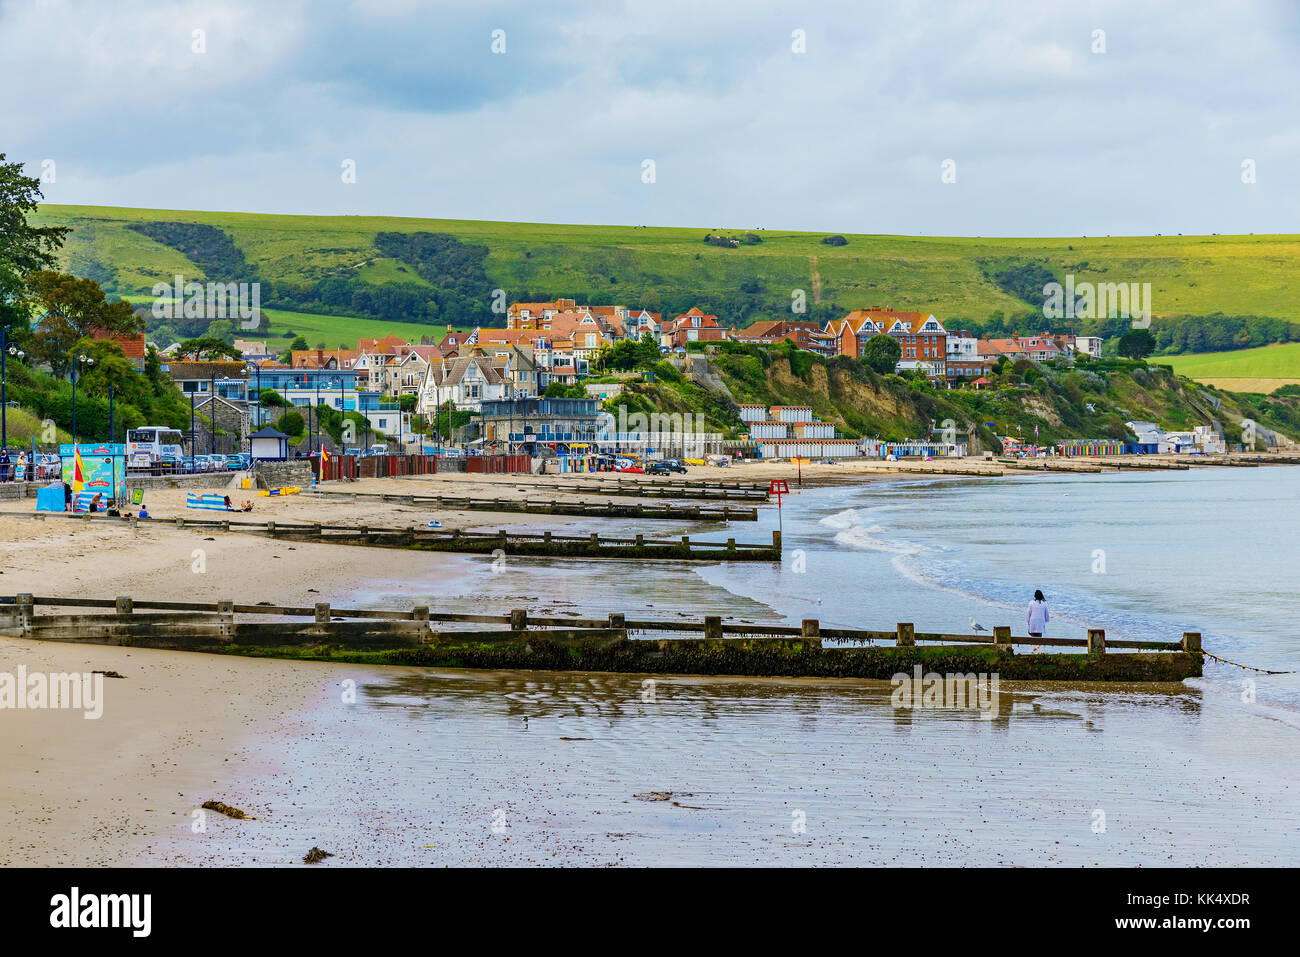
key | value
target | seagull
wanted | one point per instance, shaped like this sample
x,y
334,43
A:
x,y
977,626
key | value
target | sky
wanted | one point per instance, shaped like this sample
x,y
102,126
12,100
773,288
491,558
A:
x,y
1010,118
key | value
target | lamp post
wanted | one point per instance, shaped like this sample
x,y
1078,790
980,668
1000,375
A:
x,y
5,350
212,415
88,362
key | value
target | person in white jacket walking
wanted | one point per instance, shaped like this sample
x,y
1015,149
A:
x,y
1037,617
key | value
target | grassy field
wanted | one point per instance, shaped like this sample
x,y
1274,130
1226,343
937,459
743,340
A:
x,y
634,265
1242,370
21,424
333,331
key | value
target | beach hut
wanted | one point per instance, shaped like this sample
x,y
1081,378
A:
x,y
268,445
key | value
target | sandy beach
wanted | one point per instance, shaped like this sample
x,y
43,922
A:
x,y
179,729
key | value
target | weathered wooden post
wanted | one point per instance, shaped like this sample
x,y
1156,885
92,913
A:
x,y
731,546
518,620
812,632
686,543
420,613
123,605
26,609
1096,641
616,622
776,541
226,606
322,612
640,541
595,540
726,512
546,539
1192,642
713,627
906,633
225,525
1002,637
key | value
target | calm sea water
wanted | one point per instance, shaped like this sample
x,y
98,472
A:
x,y
522,767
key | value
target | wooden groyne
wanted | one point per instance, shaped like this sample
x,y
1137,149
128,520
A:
x,y
710,646
541,545
687,490
703,513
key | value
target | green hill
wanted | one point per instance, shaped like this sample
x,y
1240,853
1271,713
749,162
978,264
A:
x,y
1243,370
1092,399
381,268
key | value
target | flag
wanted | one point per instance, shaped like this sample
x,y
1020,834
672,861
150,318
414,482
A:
x,y
78,476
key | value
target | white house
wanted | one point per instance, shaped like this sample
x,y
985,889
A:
x,y
464,381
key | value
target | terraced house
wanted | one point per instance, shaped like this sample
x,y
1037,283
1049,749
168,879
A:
x,y
921,337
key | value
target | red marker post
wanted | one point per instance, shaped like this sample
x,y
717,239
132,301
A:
x,y
778,487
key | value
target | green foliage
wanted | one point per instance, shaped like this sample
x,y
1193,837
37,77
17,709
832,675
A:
x,y
665,371
1136,344
291,423
209,349
558,390
72,309
881,354
1023,280
24,247
208,247
835,241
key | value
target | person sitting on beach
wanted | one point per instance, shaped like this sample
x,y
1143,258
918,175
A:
x,y
143,514
1037,617
94,501
247,506
229,505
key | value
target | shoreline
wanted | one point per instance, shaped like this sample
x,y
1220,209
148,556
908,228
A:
x,y
181,730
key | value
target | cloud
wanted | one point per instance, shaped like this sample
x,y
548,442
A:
x,y
1048,136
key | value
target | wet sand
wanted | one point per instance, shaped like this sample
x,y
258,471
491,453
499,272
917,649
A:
x,y
581,767
484,768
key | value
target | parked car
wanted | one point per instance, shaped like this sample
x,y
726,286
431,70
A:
x,y
658,468
673,465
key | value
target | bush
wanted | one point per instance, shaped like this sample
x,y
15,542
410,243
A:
x,y
667,372
291,423
835,241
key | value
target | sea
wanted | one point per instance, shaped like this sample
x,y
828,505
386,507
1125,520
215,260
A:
x,y
438,766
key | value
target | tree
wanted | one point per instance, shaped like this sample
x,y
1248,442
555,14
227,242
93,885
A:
x,y
23,248
208,349
221,329
292,423
881,354
111,369
1136,344
73,309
